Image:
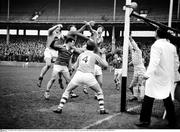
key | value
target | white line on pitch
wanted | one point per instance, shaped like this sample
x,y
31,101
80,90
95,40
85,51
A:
x,y
133,108
101,121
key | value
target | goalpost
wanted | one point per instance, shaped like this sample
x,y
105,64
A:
x,y
125,56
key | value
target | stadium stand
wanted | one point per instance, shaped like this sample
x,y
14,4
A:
x,y
98,10
20,48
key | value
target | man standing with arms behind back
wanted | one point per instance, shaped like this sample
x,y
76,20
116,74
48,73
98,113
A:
x,y
160,77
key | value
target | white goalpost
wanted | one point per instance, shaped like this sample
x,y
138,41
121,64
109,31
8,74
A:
x,y
125,55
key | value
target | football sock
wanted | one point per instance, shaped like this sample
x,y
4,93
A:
x,y
100,98
63,100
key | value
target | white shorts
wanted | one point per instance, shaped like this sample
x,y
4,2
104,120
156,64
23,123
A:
x,y
117,71
50,53
97,70
81,78
59,68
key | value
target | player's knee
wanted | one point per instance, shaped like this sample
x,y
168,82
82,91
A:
x,y
99,91
66,93
52,80
48,66
48,62
69,90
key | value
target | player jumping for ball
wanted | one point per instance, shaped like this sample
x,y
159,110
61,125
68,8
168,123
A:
x,y
96,36
50,54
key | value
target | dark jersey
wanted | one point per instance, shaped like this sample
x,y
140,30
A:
x,y
117,63
64,56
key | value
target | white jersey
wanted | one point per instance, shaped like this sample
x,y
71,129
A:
x,y
137,59
87,60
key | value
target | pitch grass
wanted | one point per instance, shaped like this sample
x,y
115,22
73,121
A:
x,y
22,105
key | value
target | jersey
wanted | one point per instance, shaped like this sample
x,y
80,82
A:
x,y
87,60
64,56
138,61
137,57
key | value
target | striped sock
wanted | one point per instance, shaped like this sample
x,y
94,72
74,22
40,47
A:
x,y
63,100
100,98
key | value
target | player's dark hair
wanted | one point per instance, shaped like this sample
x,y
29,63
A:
x,y
69,39
162,33
90,45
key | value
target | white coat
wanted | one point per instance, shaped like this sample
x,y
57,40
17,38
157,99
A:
x,y
161,71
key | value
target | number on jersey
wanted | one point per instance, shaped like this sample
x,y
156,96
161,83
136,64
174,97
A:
x,y
85,59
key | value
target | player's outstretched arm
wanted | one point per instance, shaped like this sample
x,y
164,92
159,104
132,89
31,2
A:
x,y
71,33
133,43
82,28
90,28
50,30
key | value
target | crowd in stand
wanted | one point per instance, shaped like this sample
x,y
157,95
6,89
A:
x,y
22,48
31,48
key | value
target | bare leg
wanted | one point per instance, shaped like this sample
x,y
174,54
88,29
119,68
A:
x,y
119,76
60,81
99,78
43,71
135,89
50,83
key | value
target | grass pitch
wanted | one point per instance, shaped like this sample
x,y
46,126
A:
x,y
22,105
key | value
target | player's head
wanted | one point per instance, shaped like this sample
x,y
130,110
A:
x,y
100,29
161,33
72,28
90,45
59,28
69,40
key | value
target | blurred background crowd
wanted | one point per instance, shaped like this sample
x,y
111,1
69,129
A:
x,y
31,48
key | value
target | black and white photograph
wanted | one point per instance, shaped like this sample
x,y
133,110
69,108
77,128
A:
x,y
99,65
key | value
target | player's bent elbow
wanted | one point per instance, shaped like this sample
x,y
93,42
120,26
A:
x,y
105,65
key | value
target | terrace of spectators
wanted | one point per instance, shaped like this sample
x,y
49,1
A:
x,y
80,10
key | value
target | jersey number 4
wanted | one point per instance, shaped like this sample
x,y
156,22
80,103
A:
x,y
85,59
